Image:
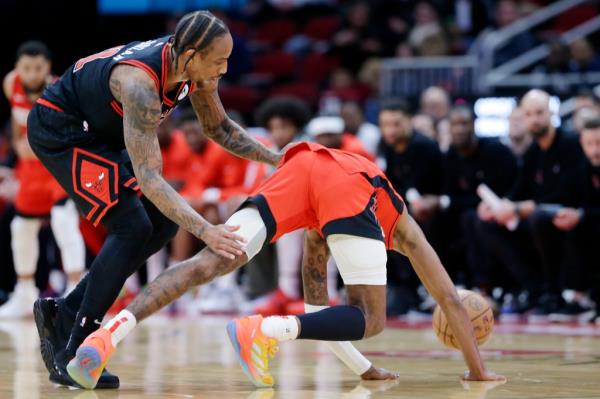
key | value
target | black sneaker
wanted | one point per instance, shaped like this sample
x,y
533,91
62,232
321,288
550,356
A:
x,y
571,312
45,312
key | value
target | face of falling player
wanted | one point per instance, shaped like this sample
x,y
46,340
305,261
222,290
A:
x,y
33,71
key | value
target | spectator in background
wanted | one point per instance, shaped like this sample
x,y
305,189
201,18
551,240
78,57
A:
x,y
469,162
552,69
577,228
583,57
358,38
354,123
507,12
329,132
412,163
424,125
548,163
284,118
435,103
518,137
175,151
427,37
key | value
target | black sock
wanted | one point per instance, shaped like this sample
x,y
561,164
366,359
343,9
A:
x,y
338,323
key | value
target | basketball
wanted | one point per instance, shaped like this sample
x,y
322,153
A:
x,y
480,313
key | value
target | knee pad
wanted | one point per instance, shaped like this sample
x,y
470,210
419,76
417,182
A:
x,y
252,229
65,226
360,260
25,244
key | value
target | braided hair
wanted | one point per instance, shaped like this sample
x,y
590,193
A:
x,y
196,31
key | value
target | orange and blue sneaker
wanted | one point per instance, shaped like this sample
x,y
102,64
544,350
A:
x,y
253,349
91,358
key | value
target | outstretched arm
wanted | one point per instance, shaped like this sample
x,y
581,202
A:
x,y
410,241
141,116
314,280
221,129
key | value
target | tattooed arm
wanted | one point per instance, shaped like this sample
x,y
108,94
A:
x,y
141,115
410,241
221,129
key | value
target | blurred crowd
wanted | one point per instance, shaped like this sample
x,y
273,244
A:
x,y
514,218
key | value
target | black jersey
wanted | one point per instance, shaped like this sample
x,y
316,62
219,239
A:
x,y
83,90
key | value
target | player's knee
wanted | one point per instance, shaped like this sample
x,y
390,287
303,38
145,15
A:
x,y
135,225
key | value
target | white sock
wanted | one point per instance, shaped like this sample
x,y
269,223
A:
x,y
120,325
282,328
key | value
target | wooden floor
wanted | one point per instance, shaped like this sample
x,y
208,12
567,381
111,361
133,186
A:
x,y
183,358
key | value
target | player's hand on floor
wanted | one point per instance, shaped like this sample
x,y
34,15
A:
x,y
486,376
223,241
379,374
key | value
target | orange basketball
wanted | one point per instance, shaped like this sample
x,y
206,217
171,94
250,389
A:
x,y
480,313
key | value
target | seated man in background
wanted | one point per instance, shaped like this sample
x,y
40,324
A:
x,y
469,162
549,162
579,222
350,209
413,164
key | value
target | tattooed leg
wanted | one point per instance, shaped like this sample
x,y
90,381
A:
x,y
314,280
314,269
179,278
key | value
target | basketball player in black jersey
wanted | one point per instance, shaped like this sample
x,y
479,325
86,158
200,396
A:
x,y
95,131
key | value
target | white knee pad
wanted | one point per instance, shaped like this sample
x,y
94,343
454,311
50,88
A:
x,y
252,229
25,244
360,260
65,226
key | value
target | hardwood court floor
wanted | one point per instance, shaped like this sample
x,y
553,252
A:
x,y
192,358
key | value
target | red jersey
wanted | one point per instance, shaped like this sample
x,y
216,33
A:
x,y
176,157
20,105
217,168
332,191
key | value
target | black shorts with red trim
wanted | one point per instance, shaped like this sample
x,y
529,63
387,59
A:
x,y
95,175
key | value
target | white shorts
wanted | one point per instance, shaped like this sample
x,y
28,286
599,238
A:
x,y
360,260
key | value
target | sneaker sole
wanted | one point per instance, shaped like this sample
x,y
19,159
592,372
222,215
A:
x,y
232,332
46,346
87,360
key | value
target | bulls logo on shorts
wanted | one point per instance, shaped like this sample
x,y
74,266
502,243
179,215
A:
x,y
95,179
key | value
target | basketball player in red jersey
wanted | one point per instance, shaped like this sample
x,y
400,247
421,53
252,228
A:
x,y
349,208
39,195
95,130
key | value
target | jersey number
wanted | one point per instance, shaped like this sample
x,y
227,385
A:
x,y
103,54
